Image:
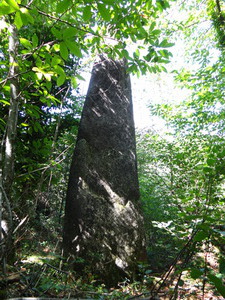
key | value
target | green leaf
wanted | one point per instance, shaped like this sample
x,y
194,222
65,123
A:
x,y
141,34
34,111
104,12
222,265
87,13
125,53
169,45
26,16
201,235
37,127
5,9
180,282
48,85
35,40
61,79
13,4
74,82
34,12
39,75
39,72
196,273
26,43
56,33
74,49
211,162
56,47
63,6
18,20
69,32
59,70
156,32
53,99
152,26
56,60
45,100
48,75
5,102
166,44
207,170
64,51
218,284
133,38
163,43
80,77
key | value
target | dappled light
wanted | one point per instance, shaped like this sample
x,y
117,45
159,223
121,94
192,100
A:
x,y
102,211
91,208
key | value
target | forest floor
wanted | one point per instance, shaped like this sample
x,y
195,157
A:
x,y
40,272
38,276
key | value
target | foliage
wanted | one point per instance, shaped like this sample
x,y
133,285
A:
x,y
181,174
41,274
50,59
182,187
203,111
215,9
185,169
184,179
52,43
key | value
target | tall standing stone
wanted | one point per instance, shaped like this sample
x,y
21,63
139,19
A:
x,y
103,224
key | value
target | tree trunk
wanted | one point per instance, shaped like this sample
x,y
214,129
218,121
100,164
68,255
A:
x,y
11,130
13,111
103,224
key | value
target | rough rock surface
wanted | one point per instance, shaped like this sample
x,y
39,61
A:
x,y
103,224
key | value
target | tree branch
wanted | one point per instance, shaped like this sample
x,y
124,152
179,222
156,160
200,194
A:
x,y
61,21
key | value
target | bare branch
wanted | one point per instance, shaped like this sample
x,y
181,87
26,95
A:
x,y
49,165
